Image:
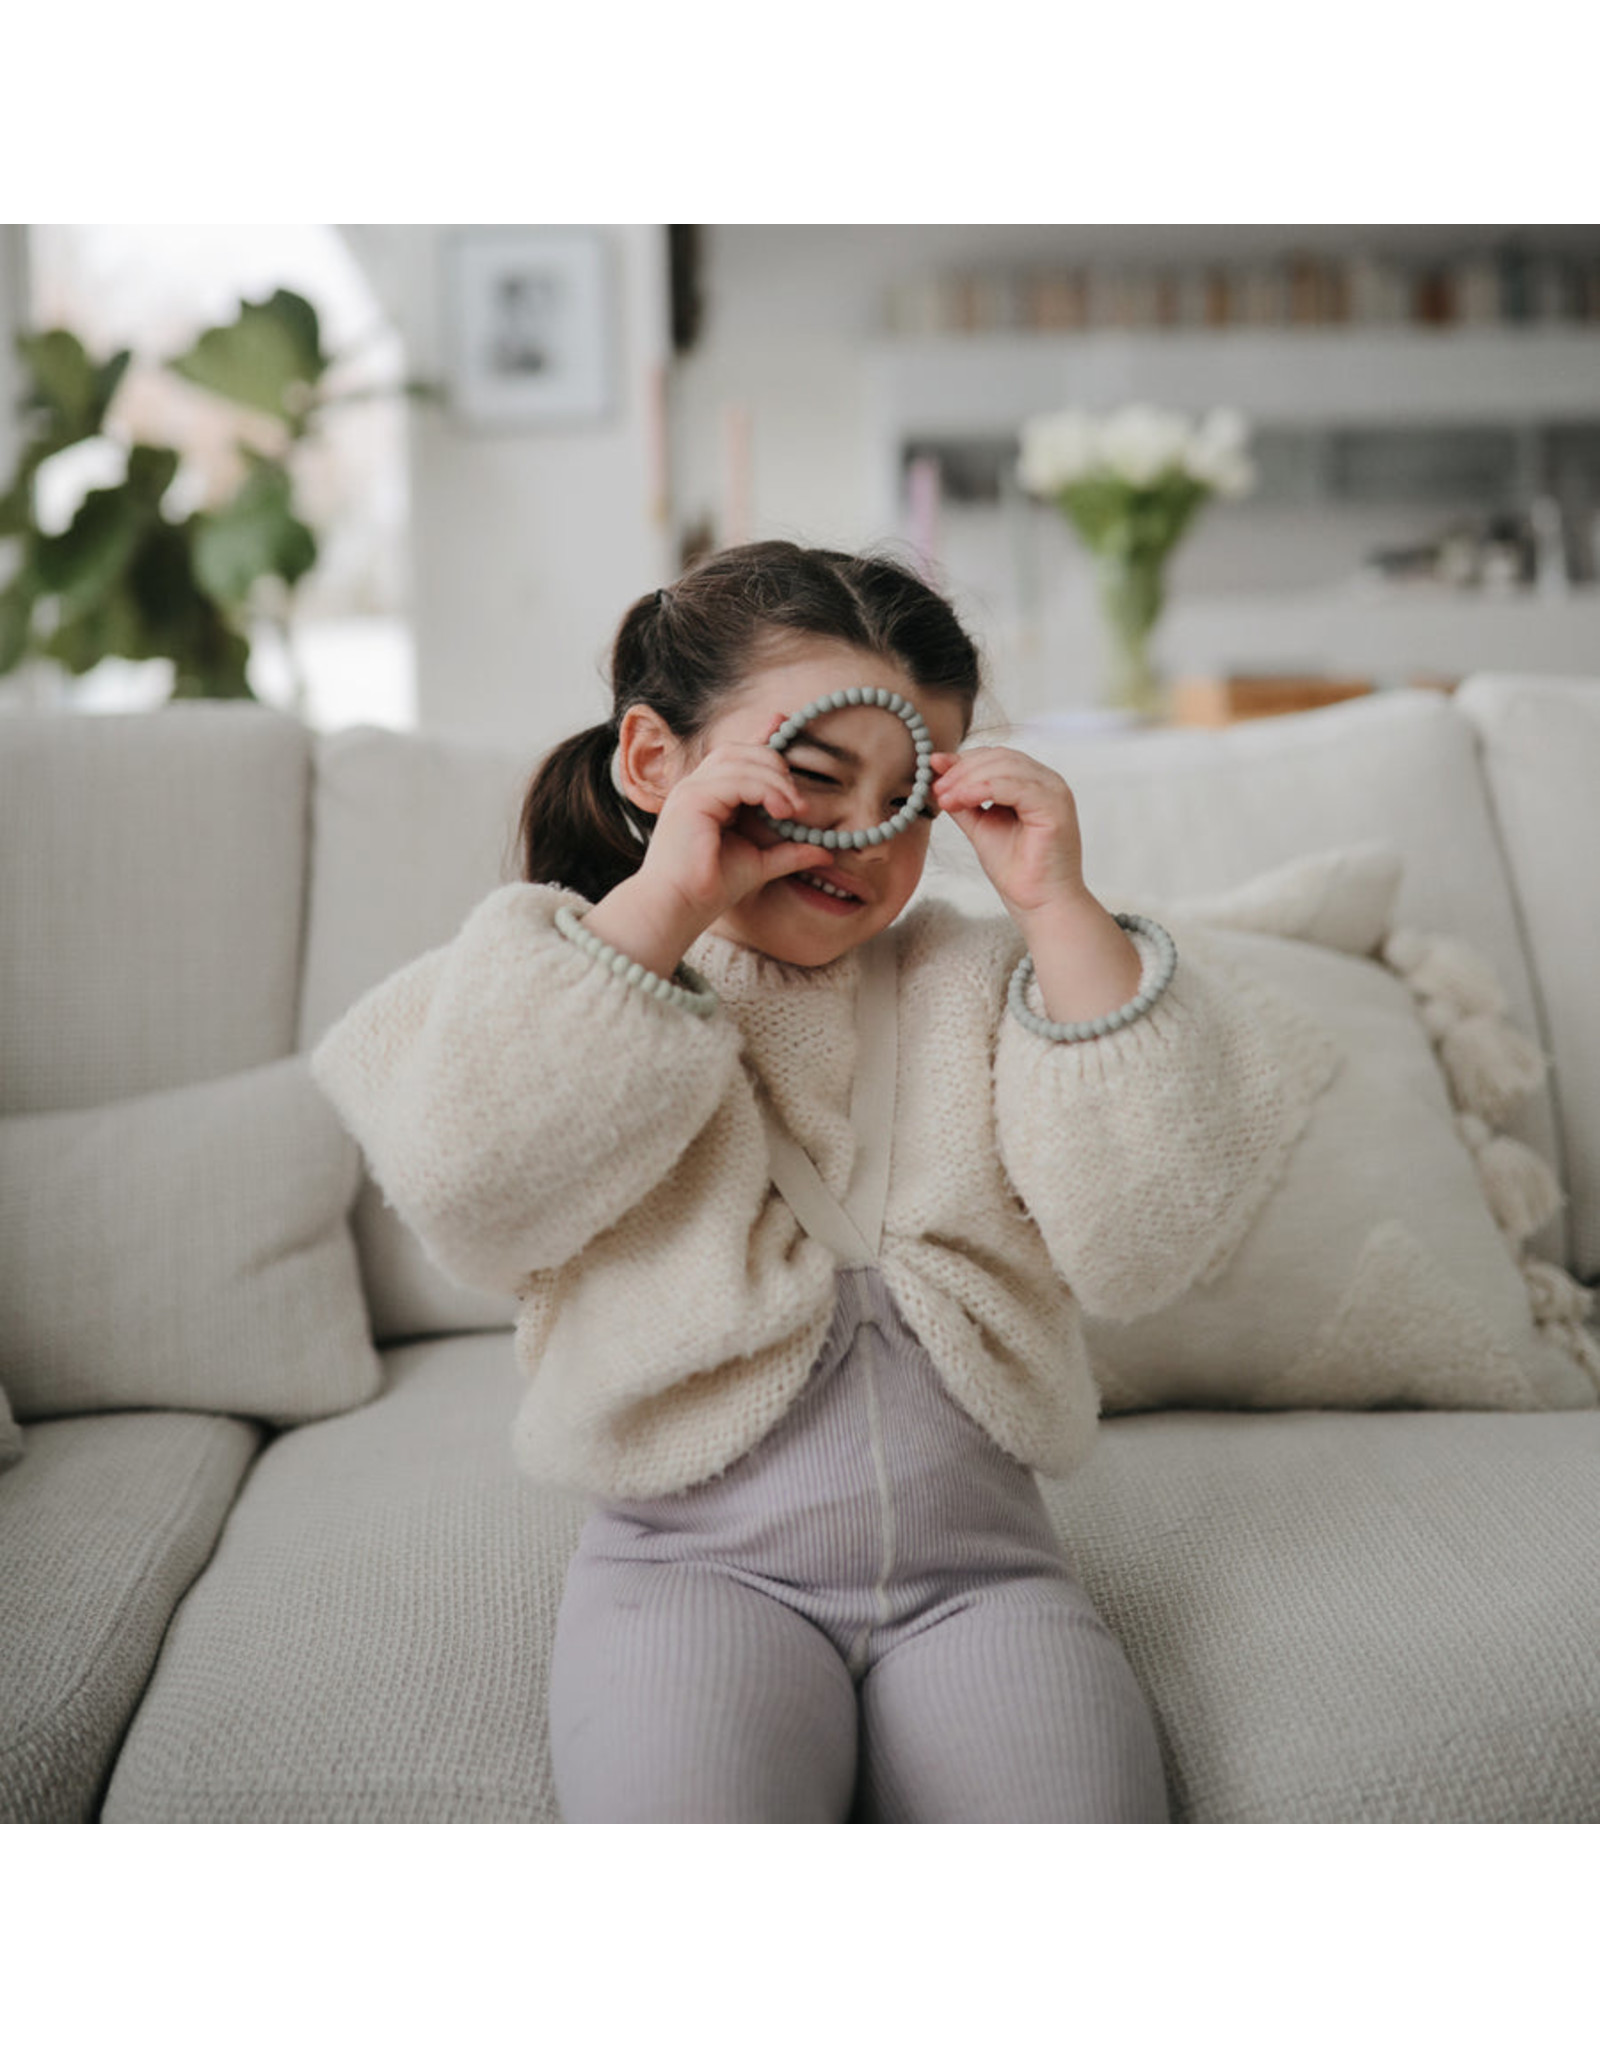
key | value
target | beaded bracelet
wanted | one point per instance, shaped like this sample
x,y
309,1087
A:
x,y
686,991
1099,1027
907,813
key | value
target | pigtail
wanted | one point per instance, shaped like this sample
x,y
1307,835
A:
x,y
575,826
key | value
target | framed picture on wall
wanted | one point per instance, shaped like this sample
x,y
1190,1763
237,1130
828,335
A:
x,y
529,316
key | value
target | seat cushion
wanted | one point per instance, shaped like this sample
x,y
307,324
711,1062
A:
x,y
1355,1618
1337,1617
10,1434
371,1640
103,1526
152,872
1541,748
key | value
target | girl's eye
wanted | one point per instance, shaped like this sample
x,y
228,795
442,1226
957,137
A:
x,y
812,775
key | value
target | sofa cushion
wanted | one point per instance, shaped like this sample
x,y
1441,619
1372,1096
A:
x,y
1541,743
1171,814
412,832
1386,1266
152,871
103,1526
1355,1618
185,1249
371,1640
11,1444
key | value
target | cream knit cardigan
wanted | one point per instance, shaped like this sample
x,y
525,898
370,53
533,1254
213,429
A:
x,y
549,1131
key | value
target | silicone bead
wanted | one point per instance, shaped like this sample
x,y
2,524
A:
x,y
915,804
687,991
1115,1020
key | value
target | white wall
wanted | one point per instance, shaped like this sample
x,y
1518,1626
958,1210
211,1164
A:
x,y
527,546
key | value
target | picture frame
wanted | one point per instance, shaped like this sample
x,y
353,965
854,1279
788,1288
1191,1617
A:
x,y
529,327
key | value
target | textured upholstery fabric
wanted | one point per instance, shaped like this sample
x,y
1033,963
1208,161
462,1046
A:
x,y
1541,740
1178,814
1338,1618
411,832
151,875
1375,1272
371,1639
103,1526
186,1249
1355,1618
10,1434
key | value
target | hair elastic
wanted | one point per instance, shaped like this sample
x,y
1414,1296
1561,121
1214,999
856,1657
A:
x,y
914,804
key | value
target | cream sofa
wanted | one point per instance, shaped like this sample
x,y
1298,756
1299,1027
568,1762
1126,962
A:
x,y
266,1554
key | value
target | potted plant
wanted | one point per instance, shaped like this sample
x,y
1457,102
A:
x,y
1130,483
126,579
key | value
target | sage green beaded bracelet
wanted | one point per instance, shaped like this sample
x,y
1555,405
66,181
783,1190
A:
x,y
906,814
686,991
1114,1020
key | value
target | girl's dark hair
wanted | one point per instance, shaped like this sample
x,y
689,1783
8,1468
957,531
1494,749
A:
x,y
683,649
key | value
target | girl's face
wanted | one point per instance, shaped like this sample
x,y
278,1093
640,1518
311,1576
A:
x,y
852,769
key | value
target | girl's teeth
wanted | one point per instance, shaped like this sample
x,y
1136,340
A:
x,y
828,889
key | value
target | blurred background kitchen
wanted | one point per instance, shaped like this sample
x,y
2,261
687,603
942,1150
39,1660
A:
x,y
596,406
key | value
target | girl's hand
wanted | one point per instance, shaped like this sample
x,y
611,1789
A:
x,y
708,851
1027,840
1029,845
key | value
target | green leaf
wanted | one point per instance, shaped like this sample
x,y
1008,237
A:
x,y
211,659
255,535
16,618
84,563
182,622
70,391
150,473
269,359
16,507
112,627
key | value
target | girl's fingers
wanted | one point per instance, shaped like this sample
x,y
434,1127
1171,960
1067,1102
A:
x,y
749,775
792,857
976,781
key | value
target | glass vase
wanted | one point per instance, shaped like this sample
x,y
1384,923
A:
x,y
1131,596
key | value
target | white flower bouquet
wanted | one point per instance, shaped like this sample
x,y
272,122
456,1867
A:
x,y
1130,482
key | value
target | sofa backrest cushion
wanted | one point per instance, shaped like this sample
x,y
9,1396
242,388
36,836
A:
x,y
152,873
411,832
1541,753
1182,813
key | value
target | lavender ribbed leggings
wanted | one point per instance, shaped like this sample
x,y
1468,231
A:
x,y
867,1617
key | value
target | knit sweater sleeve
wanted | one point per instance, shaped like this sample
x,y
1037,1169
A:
x,y
514,1097
1144,1156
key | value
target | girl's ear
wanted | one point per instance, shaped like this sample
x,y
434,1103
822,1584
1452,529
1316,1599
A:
x,y
649,757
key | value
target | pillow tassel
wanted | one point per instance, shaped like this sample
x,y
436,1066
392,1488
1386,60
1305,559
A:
x,y
1447,970
1560,1309
1518,1186
1491,1066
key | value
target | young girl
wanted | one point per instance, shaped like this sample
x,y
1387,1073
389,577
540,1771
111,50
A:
x,y
801,1204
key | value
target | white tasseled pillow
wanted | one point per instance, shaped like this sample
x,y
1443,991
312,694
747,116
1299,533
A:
x,y
1388,1268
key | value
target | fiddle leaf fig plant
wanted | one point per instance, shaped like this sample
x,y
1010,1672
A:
x,y
125,578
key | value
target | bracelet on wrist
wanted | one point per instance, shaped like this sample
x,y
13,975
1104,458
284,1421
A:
x,y
1153,985
686,990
